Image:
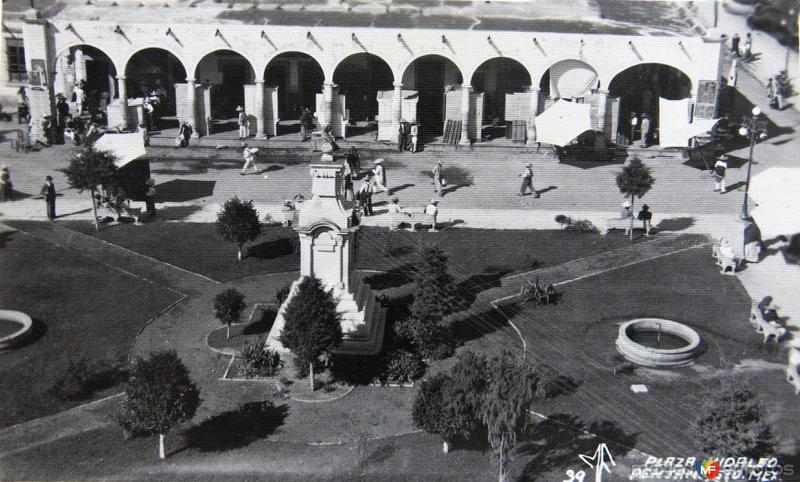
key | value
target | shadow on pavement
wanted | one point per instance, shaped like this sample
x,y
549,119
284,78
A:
x,y
183,190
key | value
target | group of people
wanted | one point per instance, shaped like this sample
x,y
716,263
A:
x,y
775,93
746,54
644,215
408,137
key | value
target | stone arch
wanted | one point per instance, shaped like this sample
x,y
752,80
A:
x,y
360,77
568,78
152,69
495,78
428,74
98,71
299,78
638,88
227,72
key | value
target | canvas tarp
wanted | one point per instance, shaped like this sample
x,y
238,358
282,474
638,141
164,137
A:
x,y
674,129
571,78
126,147
775,191
563,122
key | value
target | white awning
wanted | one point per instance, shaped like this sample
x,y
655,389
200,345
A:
x,y
126,147
775,191
563,122
674,128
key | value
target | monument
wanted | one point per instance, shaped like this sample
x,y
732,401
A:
x,y
326,230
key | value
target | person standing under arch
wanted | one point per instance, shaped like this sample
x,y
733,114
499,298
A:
x,y
645,130
244,123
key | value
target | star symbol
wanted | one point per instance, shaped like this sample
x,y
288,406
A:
x,y
598,459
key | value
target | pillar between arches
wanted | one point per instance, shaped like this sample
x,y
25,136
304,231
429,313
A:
x,y
397,107
259,113
326,116
123,101
602,106
192,100
466,93
532,113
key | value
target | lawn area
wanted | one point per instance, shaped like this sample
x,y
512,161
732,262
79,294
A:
x,y
198,248
577,337
80,309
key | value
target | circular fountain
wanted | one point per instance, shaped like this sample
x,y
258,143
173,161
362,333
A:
x,y
658,343
15,328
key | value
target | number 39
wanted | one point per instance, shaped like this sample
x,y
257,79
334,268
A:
x,y
575,476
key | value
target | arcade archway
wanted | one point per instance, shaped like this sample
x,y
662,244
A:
x,y
495,78
155,70
639,88
299,79
568,79
360,77
429,75
95,71
226,72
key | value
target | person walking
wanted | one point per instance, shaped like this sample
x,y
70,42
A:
x,y
306,124
364,195
349,194
646,217
645,130
244,123
748,48
437,179
779,92
249,154
735,45
23,106
379,176
527,181
634,123
49,193
414,136
752,241
771,91
150,197
719,174
6,186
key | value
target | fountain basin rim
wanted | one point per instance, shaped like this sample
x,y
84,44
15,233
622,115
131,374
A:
x,y
26,325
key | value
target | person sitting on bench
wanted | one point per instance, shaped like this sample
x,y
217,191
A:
x,y
767,309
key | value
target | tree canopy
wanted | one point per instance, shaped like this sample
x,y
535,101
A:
x,y
635,179
237,222
89,168
228,307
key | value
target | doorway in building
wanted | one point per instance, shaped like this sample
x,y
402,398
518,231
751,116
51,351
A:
x,y
226,72
91,68
429,76
360,77
495,78
639,88
156,71
299,79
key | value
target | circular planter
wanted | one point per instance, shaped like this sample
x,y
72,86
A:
x,y
25,328
650,356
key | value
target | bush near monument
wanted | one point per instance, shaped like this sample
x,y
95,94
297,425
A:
x,y
313,326
228,307
257,361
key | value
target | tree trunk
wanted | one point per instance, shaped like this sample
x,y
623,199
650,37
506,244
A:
x,y
94,211
161,454
632,216
228,336
311,375
240,253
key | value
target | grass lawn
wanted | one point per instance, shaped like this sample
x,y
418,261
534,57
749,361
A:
x,y
577,337
198,248
244,333
80,309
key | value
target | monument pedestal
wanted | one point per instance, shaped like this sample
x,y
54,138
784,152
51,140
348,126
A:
x,y
326,250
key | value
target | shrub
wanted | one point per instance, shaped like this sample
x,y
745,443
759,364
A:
x,y
432,341
551,383
282,294
73,385
228,307
576,225
403,367
257,361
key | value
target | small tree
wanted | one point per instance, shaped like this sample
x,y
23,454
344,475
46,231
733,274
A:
x,y
434,298
237,222
634,181
228,307
313,326
159,396
732,424
89,168
504,407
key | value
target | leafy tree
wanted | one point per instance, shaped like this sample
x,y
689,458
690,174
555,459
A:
x,y
634,181
434,298
237,222
732,423
228,307
88,169
159,396
313,325
504,407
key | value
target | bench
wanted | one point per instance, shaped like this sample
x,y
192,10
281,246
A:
x,y
793,369
770,329
413,219
623,224
723,261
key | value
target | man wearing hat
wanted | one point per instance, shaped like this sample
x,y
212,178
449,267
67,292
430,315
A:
x,y
437,179
527,181
249,159
62,111
719,174
380,175
645,216
49,193
244,124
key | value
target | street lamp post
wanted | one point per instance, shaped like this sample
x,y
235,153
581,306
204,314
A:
x,y
754,127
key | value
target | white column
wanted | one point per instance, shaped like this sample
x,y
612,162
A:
x,y
326,117
397,109
532,113
191,98
466,91
259,113
80,66
123,101
602,96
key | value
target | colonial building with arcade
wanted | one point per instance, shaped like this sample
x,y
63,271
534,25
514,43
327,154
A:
x,y
361,73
